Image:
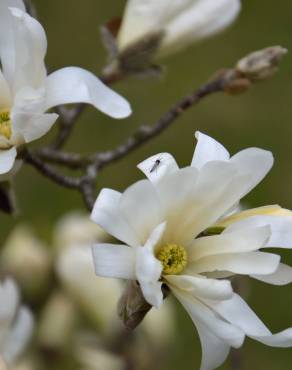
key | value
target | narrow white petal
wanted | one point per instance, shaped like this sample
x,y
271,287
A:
x,y
7,46
239,214
241,263
155,237
76,85
30,50
199,312
141,208
152,293
201,200
281,229
282,339
148,268
214,350
200,286
203,19
208,149
32,126
10,295
5,93
254,163
19,335
106,213
238,312
7,159
157,166
238,241
113,260
142,18
282,276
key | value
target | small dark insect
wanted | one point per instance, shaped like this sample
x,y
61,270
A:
x,y
155,165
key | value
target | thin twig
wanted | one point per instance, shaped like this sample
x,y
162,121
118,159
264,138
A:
x,y
48,171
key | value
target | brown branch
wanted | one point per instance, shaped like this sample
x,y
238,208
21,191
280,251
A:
x,y
49,171
146,133
93,163
254,67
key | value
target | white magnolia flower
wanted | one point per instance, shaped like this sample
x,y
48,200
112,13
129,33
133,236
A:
x,y
15,323
26,92
181,22
162,222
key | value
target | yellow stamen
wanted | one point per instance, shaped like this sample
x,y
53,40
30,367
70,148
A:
x,y
173,258
5,124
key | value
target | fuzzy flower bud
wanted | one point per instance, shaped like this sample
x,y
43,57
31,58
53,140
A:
x,y
261,64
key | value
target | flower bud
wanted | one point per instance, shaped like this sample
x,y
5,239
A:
x,y
77,228
57,324
261,64
27,259
95,296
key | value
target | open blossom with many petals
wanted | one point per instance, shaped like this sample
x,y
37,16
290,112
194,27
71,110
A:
x,y
26,92
15,323
167,223
180,22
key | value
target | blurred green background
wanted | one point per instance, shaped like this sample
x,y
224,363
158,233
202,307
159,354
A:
x,y
261,117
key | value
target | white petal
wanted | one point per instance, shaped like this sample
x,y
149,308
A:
x,y
141,208
240,263
199,312
142,18
76,85
239,214
152,293
8,175
202,198
208,149
214,350
5,93
203,19
7,158
7,47
148,268
30,50
281,229
10,295
282,339
19,335
113,260
282,276
238,241
158,166
33,126
254,163
106,213
238,312
155,237
200,286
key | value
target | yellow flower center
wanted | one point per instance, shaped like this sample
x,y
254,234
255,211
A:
x,y
5,124
173,258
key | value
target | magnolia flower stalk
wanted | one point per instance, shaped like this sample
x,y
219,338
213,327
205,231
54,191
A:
x,y
171,231
15,325
172,26
27,92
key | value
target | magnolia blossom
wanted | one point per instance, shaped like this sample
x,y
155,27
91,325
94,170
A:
x,y
15,323
172,227
26,92
179,22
